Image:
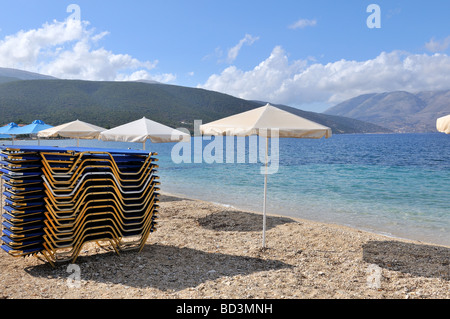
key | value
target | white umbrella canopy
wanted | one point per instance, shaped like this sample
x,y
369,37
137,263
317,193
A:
x,y
141,130
443,124
76,129
261,121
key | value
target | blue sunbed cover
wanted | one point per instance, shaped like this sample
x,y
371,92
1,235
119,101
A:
x,y
30,148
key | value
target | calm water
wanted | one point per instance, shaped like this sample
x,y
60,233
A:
x,y
394,184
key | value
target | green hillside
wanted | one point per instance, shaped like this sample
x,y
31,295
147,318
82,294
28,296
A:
x,y
109,104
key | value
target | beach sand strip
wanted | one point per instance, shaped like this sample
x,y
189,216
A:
x,y
205,250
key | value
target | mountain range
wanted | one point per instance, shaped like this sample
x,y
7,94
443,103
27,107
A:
x,y
8,75
26,96
399,111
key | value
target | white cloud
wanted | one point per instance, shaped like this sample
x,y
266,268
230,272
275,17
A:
x,y
163,78
302,82
70,50
24,48
217,54
303,23
145,75
234,51
438,46
99,36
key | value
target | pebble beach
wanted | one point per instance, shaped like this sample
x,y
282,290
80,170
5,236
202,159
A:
x,y
203,250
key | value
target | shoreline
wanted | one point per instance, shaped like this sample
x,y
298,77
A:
x,y
355,228
203,250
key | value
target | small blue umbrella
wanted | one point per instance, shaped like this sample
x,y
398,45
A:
x,y
9,129
32,128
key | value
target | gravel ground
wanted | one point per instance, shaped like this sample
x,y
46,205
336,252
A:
x,y
202,250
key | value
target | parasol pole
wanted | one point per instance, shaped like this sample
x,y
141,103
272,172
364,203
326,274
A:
x,y
265,194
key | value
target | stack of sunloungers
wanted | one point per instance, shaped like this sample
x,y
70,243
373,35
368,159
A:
x,y
23,205
84,195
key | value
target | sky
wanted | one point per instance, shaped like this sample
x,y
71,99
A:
x,y
306,54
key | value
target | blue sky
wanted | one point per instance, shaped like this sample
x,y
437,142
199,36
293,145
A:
x,y
307,54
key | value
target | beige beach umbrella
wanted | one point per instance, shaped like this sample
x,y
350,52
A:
x,y
140,131
443,124
76,129
265,122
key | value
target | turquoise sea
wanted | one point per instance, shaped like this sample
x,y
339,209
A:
x,y
393,184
